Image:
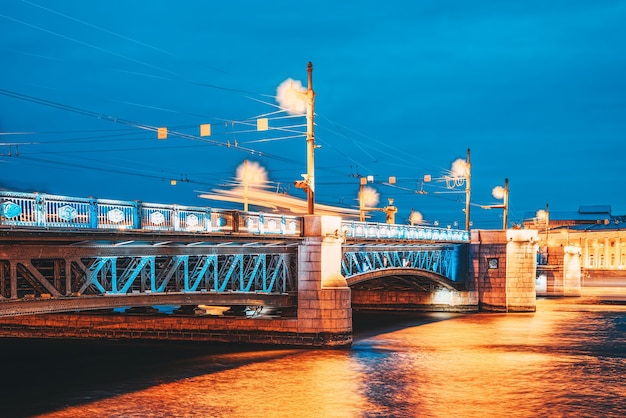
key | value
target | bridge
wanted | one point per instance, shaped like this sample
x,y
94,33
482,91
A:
x,y
63,254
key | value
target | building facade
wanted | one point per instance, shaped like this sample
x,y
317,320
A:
x,y
598,235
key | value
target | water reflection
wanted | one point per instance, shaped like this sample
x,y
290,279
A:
x,y
567,359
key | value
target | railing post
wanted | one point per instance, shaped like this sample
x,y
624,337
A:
x,y
176,218
208,221
93,213
40,216
137,214
261,223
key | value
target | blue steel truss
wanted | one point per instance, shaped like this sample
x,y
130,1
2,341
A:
x,y
261,273
444,260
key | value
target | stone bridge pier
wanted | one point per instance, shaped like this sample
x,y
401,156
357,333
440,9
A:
x,y
503,269
324,298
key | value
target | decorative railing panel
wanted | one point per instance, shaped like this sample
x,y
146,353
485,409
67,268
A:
x,y
373,230
51,211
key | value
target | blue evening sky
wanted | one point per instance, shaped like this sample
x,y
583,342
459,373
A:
x,y
535,88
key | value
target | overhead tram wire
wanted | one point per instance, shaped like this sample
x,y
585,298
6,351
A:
x,y
99,28
137,125
87,44
152,66
251,151
109,170
193,137
190,177
215,86
339,129
103,150
130,58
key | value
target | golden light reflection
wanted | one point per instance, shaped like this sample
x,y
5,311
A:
x,y
554,362
319,383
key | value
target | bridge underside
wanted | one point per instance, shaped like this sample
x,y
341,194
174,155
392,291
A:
x,y
409,289
402,279
90,303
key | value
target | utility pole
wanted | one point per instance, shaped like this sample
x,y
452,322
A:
x,y
468,189
547,232
362,183
245,185
310,141
505,216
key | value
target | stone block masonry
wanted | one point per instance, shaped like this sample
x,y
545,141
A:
x,y
503,268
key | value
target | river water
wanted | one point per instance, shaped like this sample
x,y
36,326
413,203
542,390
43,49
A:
x,y
568,359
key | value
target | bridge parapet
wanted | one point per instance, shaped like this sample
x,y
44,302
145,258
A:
x,y
375,230
52,211
38,210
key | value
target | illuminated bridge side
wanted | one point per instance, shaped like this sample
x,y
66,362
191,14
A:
x,y
409,277
444,264
83,273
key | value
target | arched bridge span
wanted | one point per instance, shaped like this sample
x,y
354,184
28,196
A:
x,y
400,278
422,267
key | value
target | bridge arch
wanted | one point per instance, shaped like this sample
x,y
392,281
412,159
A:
x,y
400,278
428,265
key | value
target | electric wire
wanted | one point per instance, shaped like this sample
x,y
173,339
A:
x,y
379,144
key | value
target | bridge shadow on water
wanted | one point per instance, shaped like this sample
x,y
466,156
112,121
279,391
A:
x,y
367,324
41,376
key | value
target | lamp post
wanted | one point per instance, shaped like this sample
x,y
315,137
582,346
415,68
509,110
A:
x,y
310,141
468,177
390,210
504,205
547,229
363,182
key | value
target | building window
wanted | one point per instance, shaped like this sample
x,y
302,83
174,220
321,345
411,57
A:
x,y
493,263
601,260
590,260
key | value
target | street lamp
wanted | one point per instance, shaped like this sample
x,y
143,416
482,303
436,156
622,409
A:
x,y
461,173
390,210
504,192
363,182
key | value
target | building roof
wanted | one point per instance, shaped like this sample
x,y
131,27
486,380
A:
x,y
615,225
596,209
586,214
